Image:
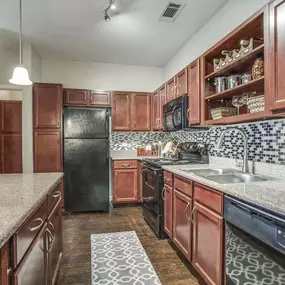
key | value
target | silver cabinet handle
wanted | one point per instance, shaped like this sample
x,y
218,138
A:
x,y
56,194
135,124
192,215
177,88
126,165
51,241
188,218
162,194
38,226
188,114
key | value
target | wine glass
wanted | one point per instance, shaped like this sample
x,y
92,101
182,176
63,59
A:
x,y
237,102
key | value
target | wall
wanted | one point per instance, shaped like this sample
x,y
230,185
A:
x,y
101,76
11,95
36,66
9,59
232,14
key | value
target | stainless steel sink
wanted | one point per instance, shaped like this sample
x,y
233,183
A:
x,y
228,176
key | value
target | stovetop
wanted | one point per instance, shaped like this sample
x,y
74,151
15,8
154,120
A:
x,y
170,161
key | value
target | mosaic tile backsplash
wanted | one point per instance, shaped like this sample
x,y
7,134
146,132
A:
x,y
266,140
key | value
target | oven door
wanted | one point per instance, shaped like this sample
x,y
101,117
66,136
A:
x,y
150,191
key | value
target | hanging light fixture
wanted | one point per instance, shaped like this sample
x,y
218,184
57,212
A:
x,y
20,74
112,5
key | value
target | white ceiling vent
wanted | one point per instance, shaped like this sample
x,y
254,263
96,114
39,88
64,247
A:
x,y
171,11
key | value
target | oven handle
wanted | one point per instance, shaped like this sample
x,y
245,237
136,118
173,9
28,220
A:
x,y
148,168
147,184
173,112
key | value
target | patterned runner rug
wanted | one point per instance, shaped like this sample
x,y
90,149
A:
x,y
119,259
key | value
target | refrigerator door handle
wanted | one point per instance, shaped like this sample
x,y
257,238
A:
x,y
107,122
107,155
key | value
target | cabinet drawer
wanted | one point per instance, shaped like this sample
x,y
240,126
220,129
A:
x,y
168,178
54,197
26,234
183,185
125,164
209,197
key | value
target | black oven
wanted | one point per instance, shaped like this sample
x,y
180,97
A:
x,y
152,199
175,114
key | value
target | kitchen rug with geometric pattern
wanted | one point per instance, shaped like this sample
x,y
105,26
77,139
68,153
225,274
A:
x,y
119,259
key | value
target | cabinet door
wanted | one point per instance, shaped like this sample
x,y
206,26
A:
x,y
194,93
121,111
47,105
208,244
167,196
162,102
33,268
182,207
100,99
125,186
277,55
76,97
11,117
47,151
141,117
181,83
170,92
55,243
155,111
11,145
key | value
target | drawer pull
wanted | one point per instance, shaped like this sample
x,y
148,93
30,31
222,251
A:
x,y
167,179
50,240
126,165
56,194
38,226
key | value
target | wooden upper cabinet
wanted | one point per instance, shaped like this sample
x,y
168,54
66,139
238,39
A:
x,y
11,146
47,151
155,110
167,196
162,102
11,117
182,207
141,115
121,111
181,83
208,232
76,97
170,92
125,186
193,113
277,55
100,99
47,105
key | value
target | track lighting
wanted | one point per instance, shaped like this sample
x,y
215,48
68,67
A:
x,y
112,5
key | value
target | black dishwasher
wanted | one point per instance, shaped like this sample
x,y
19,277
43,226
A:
x,y
255,245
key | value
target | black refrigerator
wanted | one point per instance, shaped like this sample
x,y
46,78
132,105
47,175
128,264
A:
x,y
86,159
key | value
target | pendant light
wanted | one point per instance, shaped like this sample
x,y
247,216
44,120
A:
x,y
20,74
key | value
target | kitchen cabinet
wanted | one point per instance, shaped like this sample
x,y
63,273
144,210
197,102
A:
x,y
170,90
47,151
121,111
140,111
208,232
167,197
277,55
162,102
193,113
155,110
33,268
11,116
182,208
55,245
181,83
76,97
100,99
5,264
47,106
11,153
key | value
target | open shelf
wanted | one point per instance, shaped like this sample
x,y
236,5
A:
x,y
253,85
242,64
237,119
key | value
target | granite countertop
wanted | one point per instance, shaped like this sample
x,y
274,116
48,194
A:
x,y
127,155
268,194
20,195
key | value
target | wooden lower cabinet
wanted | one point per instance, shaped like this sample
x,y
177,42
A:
x,y
125,184
33,269
55,249
167,197
208,232
182,207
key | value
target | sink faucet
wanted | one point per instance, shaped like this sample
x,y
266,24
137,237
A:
x,y
245,167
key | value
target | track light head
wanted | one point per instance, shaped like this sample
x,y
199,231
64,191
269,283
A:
x,y
106,17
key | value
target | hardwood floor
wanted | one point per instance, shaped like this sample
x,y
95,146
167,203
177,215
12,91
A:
x,y
75,267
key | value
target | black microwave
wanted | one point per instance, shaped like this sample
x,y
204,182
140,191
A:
x,y
175,114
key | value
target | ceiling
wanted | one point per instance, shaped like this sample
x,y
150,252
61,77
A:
x,y
76,30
